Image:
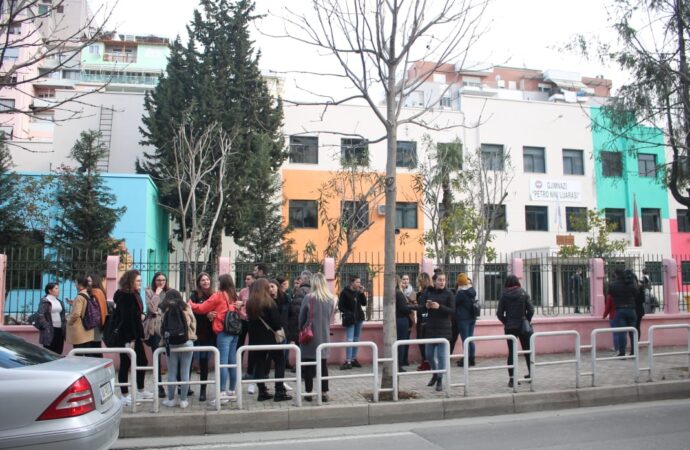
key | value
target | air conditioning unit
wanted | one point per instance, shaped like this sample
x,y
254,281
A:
x,y
381,210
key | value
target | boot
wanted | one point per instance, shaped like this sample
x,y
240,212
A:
x,y
281,396
461,362
439,383
433,380
472,363
202,393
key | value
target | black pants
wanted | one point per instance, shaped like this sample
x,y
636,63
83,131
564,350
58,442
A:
x,y
263,367
125,363
251,356
309,373
420,335
524,342
57,345
203,362
454,334
91,344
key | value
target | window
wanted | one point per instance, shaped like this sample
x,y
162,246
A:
x,y
612,164
494,278
11,53
492,156
43,9
60,9
439,78
15,28
416,98
6,132
406,215
615,217
302,214
406,155
94,49
6,104
472,81
685,271
575,218
355,214
498,213
572,162
304,149
651,219
655,271
354,152
450,151
646,165
536,218
446,102
683,220
70,74
544,87
533,159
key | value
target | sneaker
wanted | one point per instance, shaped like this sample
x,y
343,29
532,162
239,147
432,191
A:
x,y
161,392
223,401
264,396
227,394
144,395
169,403
281,397
252,388
346,366
355,363
184,404
510,383
324,398
126,400
287,386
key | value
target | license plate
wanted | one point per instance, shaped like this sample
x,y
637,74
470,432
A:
x,y
106,392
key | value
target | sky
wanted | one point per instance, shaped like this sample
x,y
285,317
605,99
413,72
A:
x,y
524,33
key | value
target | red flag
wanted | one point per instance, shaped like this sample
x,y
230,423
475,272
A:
x,y
637,229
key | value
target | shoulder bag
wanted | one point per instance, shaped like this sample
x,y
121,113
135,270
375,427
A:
x,y
232,323
527,328
306,334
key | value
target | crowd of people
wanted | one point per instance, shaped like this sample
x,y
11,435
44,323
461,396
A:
x,y
269,311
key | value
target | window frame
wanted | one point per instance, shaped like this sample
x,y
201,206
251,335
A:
x,y
643,163
618,213
310,149
653,215
610,171
538,216
533,152
685,215
571,156
400,160
400,214
494,155
349,207
501,222
349,147
303,204
7,104
571,211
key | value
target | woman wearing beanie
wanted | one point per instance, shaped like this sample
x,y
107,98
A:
x,y
465,317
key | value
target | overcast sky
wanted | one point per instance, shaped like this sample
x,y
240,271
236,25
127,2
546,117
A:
x,y
525,33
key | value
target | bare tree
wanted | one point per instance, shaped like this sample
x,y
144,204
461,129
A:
x,y
36,34
199,175
375,43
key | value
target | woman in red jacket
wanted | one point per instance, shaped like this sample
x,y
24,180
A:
x,y
224,300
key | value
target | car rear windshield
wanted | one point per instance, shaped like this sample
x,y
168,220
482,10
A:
x,y
16,352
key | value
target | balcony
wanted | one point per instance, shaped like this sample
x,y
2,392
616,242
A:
x,y
478,89
119,79
120,58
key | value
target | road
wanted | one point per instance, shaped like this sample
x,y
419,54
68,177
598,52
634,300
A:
x,y
657,425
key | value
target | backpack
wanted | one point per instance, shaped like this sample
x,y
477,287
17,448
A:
x,y
92,313
174,329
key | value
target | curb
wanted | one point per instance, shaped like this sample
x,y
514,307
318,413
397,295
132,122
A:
x,y
143,425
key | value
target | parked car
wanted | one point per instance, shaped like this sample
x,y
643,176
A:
x,y
49,402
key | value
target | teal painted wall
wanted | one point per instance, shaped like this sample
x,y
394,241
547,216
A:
x,y
617,192
149,58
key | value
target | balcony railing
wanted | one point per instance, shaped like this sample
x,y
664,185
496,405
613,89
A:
x,y
118,57
123,79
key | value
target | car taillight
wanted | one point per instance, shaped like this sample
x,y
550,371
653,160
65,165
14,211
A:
x,y
75,401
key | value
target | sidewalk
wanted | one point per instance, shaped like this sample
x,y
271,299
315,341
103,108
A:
x,y
488,394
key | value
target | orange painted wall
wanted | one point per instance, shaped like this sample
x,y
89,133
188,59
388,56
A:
x,y
304,185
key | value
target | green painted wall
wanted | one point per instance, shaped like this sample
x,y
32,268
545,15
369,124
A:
x,y
617,192
149,58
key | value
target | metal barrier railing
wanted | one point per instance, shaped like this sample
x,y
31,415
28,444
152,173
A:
x,y
156,369
374,372
131,385
635,348
651,354
254,348
533,354
466,367
446,356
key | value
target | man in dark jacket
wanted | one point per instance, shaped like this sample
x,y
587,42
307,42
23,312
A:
x,y
352,299
624,290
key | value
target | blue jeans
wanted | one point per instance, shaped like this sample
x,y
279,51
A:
x,y
466,329
625,317
612,324
227,346
352,333
402,326
436,357
178,366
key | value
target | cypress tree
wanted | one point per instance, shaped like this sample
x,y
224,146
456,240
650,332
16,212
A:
x,y
216,78
11,224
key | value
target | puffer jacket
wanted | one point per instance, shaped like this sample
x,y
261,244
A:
x,y
44,321
513,306
439,321
623,294
464,307
352,301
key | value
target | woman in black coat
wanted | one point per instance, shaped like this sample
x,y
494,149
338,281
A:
x,y
440,305
129,314
402,322
264,321
51,321
513,308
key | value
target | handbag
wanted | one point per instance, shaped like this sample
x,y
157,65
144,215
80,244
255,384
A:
x,y
111,332
526,328
232,323
278,334
306,334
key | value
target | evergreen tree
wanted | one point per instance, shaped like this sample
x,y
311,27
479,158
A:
x,y
216,78
86,216
11,225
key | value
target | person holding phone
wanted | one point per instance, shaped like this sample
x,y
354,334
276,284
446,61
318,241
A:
x,y
440,304
350,304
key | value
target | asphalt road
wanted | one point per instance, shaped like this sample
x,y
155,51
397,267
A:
x,y
658,425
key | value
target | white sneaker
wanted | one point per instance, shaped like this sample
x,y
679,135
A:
x,y
126,400
252,388
222,401
144,395
227,394
184,404
231,395
287,386
169,403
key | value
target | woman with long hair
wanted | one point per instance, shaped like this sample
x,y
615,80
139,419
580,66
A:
x,y
423,283
318,307
264,321
440,304
204,330
513,308
77,334
280,298
152,322
221,302
465,318
402,321
51,320
129,313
